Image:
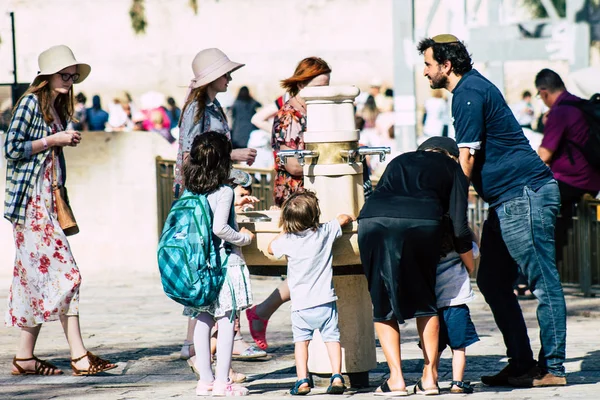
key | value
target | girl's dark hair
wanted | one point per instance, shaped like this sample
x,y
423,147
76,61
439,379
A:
x,y
209,163
300,212
455,52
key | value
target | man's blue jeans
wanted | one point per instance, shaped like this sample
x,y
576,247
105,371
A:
x,y
519,233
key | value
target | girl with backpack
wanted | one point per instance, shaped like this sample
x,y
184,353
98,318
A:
x,y
206,172
202,113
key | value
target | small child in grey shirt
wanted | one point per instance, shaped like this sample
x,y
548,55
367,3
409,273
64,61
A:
x,y
307,244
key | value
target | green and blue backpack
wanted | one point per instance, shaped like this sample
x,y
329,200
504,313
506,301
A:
x,y
190,266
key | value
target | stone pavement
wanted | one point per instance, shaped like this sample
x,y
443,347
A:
x,y
127,319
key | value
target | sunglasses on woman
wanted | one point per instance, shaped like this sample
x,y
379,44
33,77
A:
x,y
66,77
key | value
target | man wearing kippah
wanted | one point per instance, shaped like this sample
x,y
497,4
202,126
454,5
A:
x,y
519,232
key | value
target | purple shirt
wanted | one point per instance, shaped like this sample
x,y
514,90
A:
x,y
568,123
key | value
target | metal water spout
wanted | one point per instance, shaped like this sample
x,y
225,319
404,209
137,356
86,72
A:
x,y
300,155
360,153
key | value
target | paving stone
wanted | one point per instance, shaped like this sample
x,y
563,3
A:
x,y
128,320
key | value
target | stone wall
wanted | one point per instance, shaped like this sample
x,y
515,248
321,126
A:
x,y
270,36
112,189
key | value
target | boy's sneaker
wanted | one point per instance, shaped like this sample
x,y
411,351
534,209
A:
x,y
461,387
537,378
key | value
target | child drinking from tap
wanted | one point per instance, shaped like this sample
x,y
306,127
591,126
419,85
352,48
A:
x,y
307,244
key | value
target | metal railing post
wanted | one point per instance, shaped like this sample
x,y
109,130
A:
x,y
584,248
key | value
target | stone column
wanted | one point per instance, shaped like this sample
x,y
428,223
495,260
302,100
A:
x,y
338,184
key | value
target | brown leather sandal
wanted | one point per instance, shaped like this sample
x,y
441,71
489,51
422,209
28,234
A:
x,y
97,365
41,367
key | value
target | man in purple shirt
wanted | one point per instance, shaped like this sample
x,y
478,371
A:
x,y
565,130
565,125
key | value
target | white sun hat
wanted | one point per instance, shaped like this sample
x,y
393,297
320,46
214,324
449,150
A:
x,y
57,58
209,65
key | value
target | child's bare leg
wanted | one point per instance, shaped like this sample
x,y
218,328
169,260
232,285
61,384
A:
x,y
459,362
335,358
271,304
301,355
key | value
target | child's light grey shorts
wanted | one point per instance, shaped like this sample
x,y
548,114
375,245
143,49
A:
x,y
323,317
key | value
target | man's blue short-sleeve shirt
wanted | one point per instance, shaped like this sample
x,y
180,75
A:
x,y
504,162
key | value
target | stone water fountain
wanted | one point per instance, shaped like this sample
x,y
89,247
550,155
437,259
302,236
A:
x,y
332,163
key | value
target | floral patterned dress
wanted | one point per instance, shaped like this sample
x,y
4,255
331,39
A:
x,y
46,278
288,130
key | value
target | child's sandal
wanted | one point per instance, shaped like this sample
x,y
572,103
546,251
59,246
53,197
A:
x,y
204,388
259,336
461,387
335,387
228,389
187,350
297,390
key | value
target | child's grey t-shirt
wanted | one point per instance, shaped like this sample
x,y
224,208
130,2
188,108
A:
x,y
310,274
453,283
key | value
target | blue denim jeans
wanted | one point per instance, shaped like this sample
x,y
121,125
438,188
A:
x,y
519,233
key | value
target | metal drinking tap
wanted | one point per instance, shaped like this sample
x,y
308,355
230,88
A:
x,y
362,152
300,155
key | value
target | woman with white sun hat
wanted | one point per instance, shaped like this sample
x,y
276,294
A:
x,y
46,279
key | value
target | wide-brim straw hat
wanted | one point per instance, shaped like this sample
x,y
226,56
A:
x,y
56,59
209,65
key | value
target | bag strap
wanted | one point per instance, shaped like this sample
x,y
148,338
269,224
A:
x,y
211,245
54,173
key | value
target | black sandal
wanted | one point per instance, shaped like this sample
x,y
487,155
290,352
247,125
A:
x,y
387,392
461,387
432,391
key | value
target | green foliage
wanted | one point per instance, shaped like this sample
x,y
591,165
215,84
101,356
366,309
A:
x,y
137,13
194,5
538,10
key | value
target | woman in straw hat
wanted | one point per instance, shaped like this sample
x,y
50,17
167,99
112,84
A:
x,y
46,278
202,113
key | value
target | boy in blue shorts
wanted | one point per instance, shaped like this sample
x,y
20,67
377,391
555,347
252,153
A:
x,y
308,244
453,290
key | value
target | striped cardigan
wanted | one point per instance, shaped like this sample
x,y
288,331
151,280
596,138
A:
x,y
22,167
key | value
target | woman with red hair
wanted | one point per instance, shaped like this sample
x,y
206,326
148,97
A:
x,y
290,124
289,127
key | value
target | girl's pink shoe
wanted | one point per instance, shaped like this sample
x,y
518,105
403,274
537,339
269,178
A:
x,y
204,388
228,389
259,336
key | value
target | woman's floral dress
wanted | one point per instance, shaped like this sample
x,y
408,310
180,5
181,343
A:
x,y
46,278
288,130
